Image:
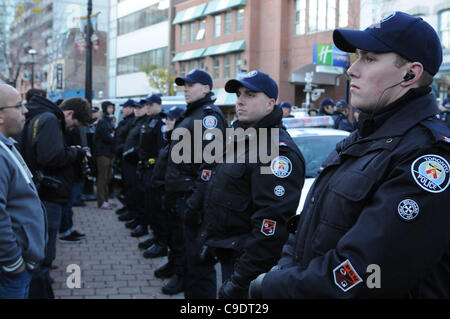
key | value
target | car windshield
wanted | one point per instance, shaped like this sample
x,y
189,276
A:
x,y
315,150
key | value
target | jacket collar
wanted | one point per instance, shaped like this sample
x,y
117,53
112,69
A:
x,y
273,119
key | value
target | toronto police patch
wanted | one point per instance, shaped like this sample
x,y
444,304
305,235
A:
x,y
268,227
209,121
431,172
408,209
281,166
345,276
206,175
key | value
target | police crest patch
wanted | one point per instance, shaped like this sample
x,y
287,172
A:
x,y
408,209
281,166
209,121
268,227
431,172
206,175
345,276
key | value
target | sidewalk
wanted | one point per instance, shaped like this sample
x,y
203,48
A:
x,y
111,264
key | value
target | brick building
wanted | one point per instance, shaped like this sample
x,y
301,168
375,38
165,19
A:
x,y
225,37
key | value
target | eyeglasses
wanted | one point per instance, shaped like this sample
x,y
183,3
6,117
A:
x,y
17,106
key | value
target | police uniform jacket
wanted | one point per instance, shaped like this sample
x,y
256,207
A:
x,y
131,145
246,209
181,177
122,130
151,138
376,222
445,117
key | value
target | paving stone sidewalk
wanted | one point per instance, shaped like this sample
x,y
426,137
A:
x,y
111,264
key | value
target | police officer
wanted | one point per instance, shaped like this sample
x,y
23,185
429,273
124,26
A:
x,y
182,175
129,170
326,107
151,140
376,222
340,117
246,209
445,112
287,108
120,136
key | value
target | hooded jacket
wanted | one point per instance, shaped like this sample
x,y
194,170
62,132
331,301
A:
x,y
44,150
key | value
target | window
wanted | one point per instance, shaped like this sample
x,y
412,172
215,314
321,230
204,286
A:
x,y
217,25
201,64
192,32
191,65
444,28
227,26
240,20
183,34
201,30
237,63
135,63
300,17
226,67
216,67
141,19
182,68
343,13
321,15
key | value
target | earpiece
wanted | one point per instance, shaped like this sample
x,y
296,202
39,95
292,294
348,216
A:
x,y
408,76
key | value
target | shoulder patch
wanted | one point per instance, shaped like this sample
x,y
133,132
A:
x,y
268,227
281,166
209,121
431,172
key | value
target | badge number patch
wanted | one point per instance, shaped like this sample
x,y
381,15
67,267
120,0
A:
x,y
408,209
281,166
345,276
268,227
279,190
431,172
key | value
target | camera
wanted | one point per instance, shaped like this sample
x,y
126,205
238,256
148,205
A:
x,y
43,181
85,169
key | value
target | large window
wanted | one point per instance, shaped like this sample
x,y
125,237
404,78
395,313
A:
x,y
201,30
135,63
217,25
321,15
444,28
141,19
227,26
240,20
300,17
237,63
192,32
183,34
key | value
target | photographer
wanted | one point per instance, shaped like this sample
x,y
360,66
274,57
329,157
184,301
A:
x,y
51,161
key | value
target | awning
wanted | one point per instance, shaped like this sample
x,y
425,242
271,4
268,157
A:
x,y
224,98
188,55
190,14
225,48
322,74
217,6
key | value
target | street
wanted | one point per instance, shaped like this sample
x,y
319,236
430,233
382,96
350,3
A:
x,y
111,264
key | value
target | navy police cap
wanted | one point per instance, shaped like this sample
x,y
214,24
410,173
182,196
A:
x,y
409,36
285,104
152,98
195,76
256,81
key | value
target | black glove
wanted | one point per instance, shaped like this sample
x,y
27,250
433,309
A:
x,y
231,290
208,255
255,289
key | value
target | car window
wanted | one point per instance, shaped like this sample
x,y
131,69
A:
x,y
315,150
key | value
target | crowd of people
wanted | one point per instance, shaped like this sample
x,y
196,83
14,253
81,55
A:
x,y
378,199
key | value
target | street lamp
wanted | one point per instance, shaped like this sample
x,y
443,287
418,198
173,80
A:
x,y
32,52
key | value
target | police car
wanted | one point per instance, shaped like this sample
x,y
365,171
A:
x,y
316,139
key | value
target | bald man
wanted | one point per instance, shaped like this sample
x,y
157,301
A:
x,y
22,218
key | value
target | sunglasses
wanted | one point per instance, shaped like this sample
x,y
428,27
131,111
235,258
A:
x,y
17,106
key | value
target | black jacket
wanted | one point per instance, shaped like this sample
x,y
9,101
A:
x,y
246,210
151,137
131,144
44,149
181,177
122,130
104,137
381,201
